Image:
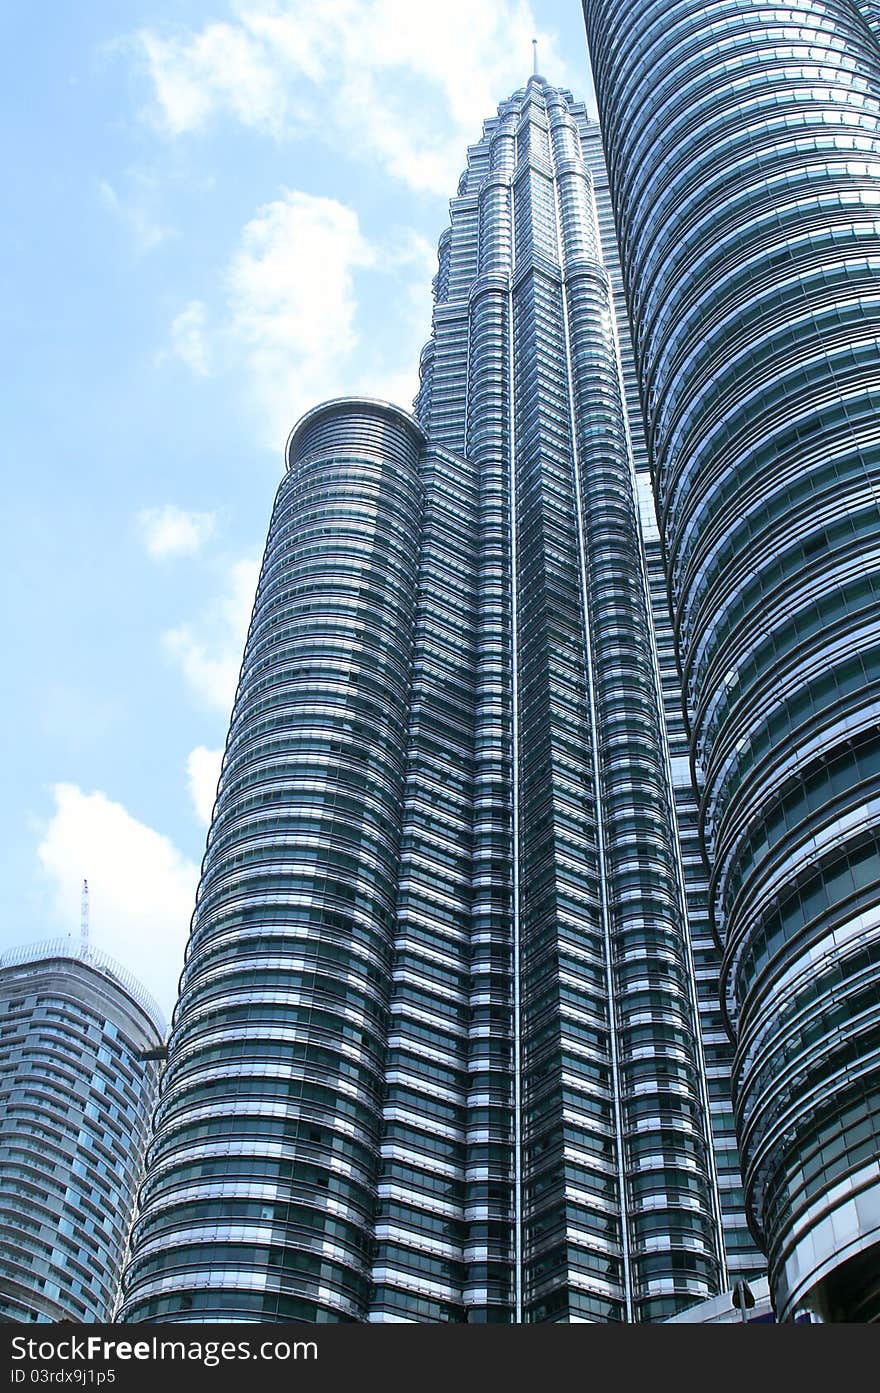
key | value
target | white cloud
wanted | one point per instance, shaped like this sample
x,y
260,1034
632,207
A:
x,y
266,69
209,652
378,80
219,66
203,773
169,531
289,331
188,338
292,306
134,211
141,888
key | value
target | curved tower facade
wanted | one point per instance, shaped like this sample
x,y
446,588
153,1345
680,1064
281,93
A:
x,y
438,1054
76,1093
259,1196
743,149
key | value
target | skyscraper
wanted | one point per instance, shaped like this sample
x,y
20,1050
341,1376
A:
x,y
76,1094
440,1052
743,147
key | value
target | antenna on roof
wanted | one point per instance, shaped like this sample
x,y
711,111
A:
x,y
534,57
84,923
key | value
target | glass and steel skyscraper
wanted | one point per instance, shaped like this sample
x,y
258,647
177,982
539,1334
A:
x,y
446,1048
743,147
78,1048
743,1256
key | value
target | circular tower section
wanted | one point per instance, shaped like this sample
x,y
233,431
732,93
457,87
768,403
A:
x,y
743,143
259,1195
81,1041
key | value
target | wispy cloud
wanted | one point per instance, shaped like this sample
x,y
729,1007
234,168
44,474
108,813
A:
x,y
203,773
170,531
287,326
379,80
141,888
220,66
208,651
189,341
292,305
134,211
368,58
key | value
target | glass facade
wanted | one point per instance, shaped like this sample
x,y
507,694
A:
x,y
259,1195
75,1103
744,1259
442,1049
743,151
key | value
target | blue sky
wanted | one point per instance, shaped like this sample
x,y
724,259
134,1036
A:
x,y
218,214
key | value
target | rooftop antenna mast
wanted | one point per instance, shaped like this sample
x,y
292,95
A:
x,y
84,923
534,57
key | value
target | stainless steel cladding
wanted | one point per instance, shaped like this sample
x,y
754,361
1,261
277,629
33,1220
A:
x,y
743,148
258,1201
78,1068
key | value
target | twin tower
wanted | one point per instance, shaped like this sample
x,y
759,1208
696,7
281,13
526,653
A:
x,y
483,906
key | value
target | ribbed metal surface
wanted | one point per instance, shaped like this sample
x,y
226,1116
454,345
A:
x,y
437,1052
588,1191
95,957
259,1197
742,1256
672,1239
75,1104
743,144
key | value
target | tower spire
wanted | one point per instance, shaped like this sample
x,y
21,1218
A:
x,y
84,923
534,57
